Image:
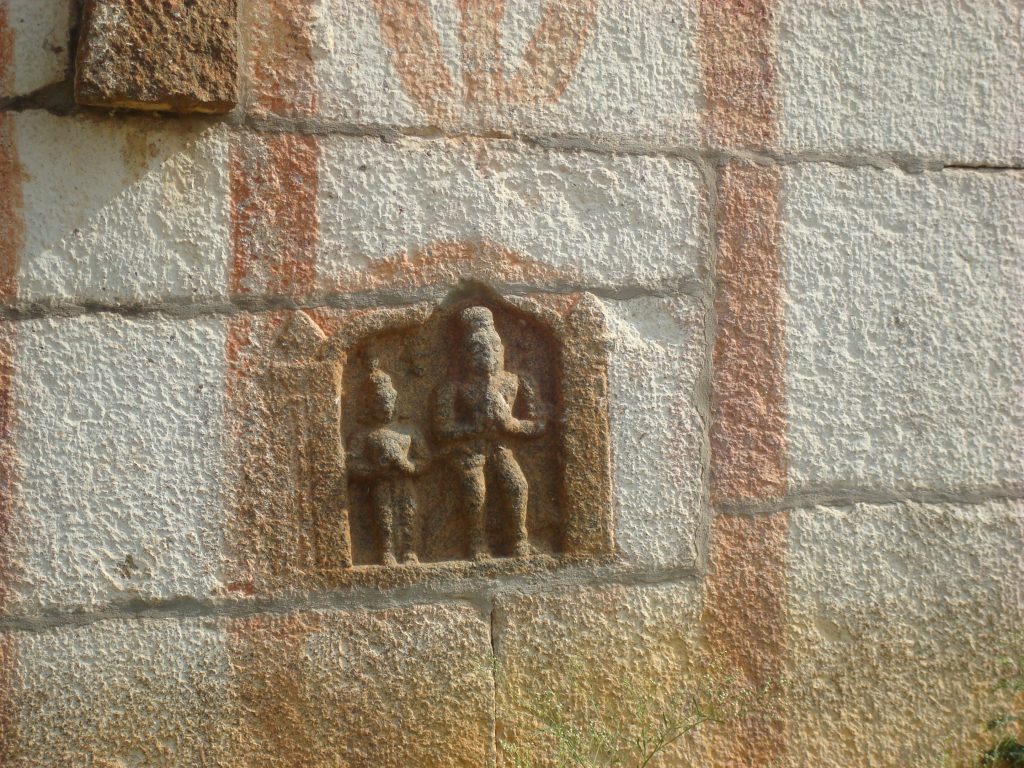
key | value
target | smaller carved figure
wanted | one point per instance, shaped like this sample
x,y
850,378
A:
x,y
386,456
477,415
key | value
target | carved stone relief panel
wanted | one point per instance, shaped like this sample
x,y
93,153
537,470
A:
x,y
471,430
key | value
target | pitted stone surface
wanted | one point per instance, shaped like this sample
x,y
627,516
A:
x,y
657,433
121,210
904,336
117,693
898,618
620,72
176,55
391,688
547,647
118,424
937,81
392,216
35,42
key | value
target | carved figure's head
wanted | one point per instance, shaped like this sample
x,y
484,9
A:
x,y
484,350
382,397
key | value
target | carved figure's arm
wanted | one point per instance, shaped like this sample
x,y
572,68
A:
x,y
535,423
419,453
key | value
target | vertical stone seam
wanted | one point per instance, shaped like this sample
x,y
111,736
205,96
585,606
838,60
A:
x,y
744,616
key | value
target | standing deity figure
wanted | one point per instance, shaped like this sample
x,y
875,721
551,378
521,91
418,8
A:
x,y
475,414
386,456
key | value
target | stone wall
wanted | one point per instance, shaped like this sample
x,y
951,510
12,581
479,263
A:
x,y
800,227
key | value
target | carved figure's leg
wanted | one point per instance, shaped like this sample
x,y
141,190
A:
x,y
383,504
405,509
474,497
514,494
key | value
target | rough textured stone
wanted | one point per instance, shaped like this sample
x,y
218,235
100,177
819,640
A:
x,y
739,73
34,44
117,693
657,431
119,211
177,55
898,617
117,433
939,80
748,416
392,216
392,688
619,72
547,645
904,335
399,481
744,623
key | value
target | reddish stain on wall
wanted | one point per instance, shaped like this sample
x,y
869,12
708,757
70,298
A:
x,y
274,214
408,31
553,54
748,430
736,48
282,74
745,605
549,61
11,240
275,228
267,664
744,621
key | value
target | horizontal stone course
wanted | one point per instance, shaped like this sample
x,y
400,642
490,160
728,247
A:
x,y
391,212
614,71
148,210
904,338
935,83
397,687
122,442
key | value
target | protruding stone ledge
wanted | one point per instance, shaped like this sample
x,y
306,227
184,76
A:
x,y
174,56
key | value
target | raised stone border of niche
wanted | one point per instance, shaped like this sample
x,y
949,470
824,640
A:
x,y
400,444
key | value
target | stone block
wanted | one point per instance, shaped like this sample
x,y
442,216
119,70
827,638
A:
x,y
937,81
658,440
904,337
35,40
391,688
623,73
117,429
114,693
898,618
546,648
118,211
177,56
401,216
